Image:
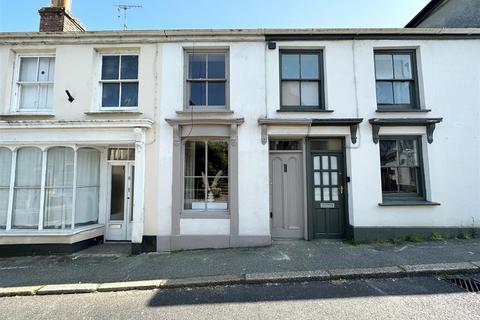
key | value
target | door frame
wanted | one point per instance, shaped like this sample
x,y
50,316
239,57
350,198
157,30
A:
x,y
128,203
309,183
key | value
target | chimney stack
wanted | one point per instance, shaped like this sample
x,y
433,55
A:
x,y
59,18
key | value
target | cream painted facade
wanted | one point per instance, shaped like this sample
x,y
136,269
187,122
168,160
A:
x,y
448,81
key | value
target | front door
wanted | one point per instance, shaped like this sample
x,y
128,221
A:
x,y
327,194
120,212
286,195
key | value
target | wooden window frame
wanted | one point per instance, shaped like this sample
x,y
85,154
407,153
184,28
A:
x,y
420,195
320,80
414,94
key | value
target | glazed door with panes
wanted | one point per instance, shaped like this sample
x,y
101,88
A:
x,y
328,195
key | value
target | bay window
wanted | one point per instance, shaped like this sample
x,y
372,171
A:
x,y
35,84
43,189
206,176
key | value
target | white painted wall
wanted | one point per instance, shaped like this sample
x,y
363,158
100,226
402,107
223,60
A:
x,y
449,80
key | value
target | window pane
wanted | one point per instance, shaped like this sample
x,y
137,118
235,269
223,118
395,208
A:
x,y
121,154
88,186
403,66
316,178
402,92
310,94
216,93
383,66
309,66
46,69
194,194
216,66
28,69
110,94
117,187
325,179
197,66
325,165
334,178
285,145
28,97
326,194
407,179
198,96
388,153
217,197
290,93
129,69
318,194
384,92
290,66
4,193
217,158
59,167
110,67
45,99
316,163
333,162
194,158
26,208
327,145
5,167
408,153
389,180
58,208
334,194
29,168
129,95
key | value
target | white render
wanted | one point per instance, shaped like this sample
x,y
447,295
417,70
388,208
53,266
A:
x,y
449,81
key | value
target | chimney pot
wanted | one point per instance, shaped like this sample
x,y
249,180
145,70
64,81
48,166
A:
x,y
67,4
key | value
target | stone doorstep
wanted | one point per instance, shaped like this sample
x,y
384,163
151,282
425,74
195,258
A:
x,y
332,274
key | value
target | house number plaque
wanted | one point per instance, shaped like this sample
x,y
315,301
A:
x,y
327,205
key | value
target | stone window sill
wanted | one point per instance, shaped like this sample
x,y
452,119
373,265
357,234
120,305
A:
x,y
205,215
205,111
113,112
29,114
407,203
387,110
304,110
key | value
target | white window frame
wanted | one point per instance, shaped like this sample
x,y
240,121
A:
x,y
17,85
119,81
9,230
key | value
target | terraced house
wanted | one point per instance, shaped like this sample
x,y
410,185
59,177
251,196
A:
x,y
226,138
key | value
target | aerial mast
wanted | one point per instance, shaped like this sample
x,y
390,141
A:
x,y
125,8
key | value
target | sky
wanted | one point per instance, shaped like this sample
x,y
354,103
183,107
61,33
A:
x,y
22,15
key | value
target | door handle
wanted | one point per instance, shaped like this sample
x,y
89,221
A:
x,y
341,189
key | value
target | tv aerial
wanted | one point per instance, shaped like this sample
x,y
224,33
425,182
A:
x,y
125,8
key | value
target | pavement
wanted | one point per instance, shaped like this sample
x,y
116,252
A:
x,y
398,298
108,270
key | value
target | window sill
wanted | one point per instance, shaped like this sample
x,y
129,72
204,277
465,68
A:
x,y
408,203
304,110
28,114
112,112
205,215
204,111
386,110
47,232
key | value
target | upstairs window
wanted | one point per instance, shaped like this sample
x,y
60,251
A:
x,y
207,83
119,81
395,74
402,169
301,80
35,84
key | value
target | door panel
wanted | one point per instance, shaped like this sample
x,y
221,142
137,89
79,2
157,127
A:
x,y
286,195
328,209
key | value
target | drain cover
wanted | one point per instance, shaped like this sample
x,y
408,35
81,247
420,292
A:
x,y
466,284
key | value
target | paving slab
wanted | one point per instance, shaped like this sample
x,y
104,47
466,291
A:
x,y
130,285
364,272
286,276
19,291
440,267
68,288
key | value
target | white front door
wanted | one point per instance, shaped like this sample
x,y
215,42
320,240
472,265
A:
x,y
120,209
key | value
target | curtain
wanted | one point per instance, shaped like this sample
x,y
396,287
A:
x,y
58,188
5,167
88,186
26,202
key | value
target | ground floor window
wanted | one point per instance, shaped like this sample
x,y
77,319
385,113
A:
x,y
401,167
206,175
43,189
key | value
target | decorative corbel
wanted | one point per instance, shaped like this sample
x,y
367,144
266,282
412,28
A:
x,y
233,134
430,129
176,135
353,132
375,132
264,134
